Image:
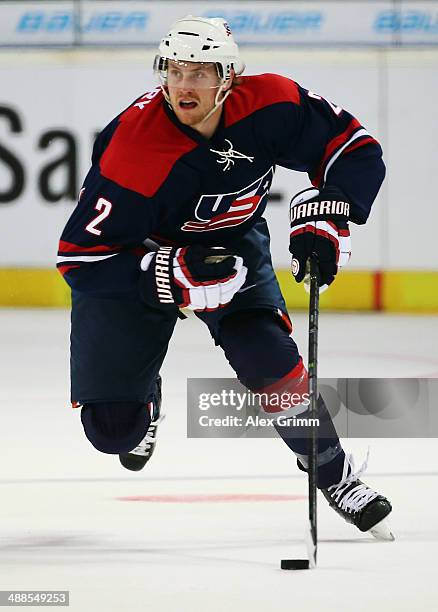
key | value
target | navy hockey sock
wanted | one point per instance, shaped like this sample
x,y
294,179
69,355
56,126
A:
x,y
265,358
330,458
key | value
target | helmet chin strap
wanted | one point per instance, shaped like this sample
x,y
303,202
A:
x,y
166,96
217,100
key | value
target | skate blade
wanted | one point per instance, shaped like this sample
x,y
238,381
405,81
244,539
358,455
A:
x,y
382,531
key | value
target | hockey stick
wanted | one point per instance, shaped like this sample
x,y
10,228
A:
x,y
312,537
313,396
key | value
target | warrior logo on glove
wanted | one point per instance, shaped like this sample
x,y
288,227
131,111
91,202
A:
x,y
319,208
193,277
162,276
319,224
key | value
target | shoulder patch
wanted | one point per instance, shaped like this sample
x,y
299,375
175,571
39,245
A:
x,y
144,147
257,92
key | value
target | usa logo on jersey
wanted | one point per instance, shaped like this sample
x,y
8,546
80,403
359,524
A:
x,y
229,209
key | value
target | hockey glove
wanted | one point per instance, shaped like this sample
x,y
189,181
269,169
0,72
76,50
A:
x,y
319,224
195,277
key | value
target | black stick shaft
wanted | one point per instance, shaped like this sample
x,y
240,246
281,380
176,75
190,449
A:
x,y
313,397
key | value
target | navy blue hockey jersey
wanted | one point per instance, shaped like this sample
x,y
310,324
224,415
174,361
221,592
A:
x,y
153,177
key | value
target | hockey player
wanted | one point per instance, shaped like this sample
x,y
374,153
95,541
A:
x,y
171,215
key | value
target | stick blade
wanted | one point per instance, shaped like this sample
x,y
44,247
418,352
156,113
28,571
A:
x,y
294,564
312,546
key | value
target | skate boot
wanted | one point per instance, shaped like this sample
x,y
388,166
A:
x,y
136,459
359,504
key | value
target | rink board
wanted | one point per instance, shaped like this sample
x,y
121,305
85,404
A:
x,y
362,290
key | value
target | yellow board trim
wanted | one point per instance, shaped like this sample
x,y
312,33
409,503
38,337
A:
x,y
360,290
410,291
33,287
351,291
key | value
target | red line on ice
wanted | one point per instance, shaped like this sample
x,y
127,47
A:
x,y
215,497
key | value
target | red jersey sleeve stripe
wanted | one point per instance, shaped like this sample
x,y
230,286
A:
x,y
339,140
334,144
70,247
361,143
65,269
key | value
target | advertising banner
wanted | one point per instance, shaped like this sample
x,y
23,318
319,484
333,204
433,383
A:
x,y
272,22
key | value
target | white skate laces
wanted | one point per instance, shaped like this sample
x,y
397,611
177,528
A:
x,y
358,497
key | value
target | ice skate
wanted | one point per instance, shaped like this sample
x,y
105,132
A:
x,y
359,504
136,459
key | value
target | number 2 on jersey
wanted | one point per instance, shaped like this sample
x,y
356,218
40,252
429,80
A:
x,y
105,207
336,109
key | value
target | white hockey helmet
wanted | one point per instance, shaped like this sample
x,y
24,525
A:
x,y
198,39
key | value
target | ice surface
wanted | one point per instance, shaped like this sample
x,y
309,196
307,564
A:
x,y
63,526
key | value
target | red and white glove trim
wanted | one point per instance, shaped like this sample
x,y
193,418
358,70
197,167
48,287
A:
x,y
340,238
208,295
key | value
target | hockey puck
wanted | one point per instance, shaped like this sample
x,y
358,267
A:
x,y
294,564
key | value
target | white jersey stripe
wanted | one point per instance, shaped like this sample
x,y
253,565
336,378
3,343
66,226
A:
x,y
356,135
84,258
